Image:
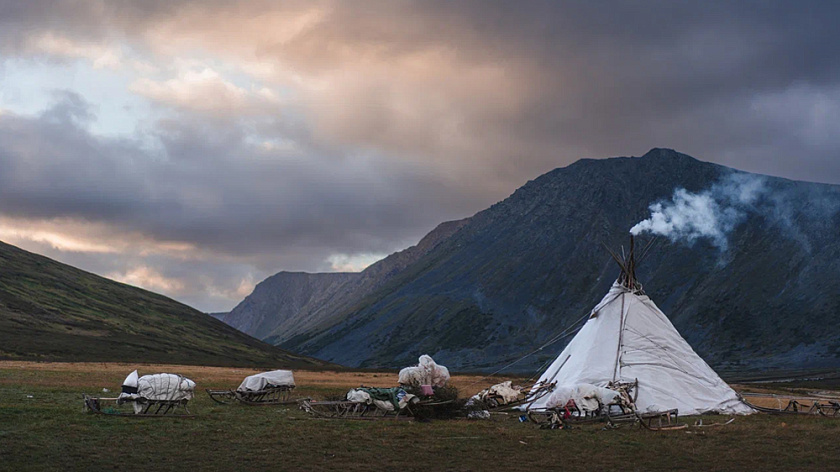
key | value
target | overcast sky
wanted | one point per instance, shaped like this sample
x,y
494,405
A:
x,y
194,148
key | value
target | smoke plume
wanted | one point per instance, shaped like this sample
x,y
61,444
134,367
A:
x,y
711,213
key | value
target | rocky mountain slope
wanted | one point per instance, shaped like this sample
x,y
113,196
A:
x,y
290,303
51,311
514,275
281,300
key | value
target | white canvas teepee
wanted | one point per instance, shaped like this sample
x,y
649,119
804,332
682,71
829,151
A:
x,y
628,338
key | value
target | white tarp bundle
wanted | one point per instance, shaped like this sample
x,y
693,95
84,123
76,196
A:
x,y
264,380
157,387
427,372
165,387
587,397
505,390
131,380
627,338
360,396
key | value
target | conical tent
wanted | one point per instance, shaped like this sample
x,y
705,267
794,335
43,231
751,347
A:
x,y
627,339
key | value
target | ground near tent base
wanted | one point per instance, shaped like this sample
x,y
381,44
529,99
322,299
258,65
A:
x,y
42,425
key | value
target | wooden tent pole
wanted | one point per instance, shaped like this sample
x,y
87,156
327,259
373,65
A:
x,y
631,264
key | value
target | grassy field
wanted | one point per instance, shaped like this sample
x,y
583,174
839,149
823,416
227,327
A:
x,y
42,427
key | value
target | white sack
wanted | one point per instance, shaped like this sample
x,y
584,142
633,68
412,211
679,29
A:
x,y
440,376
413,376
263,380
359,396
384,405
427,372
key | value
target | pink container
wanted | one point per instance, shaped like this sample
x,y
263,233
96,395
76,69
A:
x,y
427,390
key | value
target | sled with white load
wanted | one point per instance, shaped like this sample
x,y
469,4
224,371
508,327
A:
x,y
506,396
263,389
155,395
365,403
614,404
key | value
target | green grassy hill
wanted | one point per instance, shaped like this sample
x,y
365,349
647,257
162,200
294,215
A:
x,y
51,311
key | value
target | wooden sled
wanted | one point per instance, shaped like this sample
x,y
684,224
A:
x,y
344,409
624,407
569,413
658,421
150,408
621,411
796,405
545,417
555,418
278,395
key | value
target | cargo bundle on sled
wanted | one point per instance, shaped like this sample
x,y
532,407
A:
x,y
154,395
263,389
423,389
365,403
506,396
587,403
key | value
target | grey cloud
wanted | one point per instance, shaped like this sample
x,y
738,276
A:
x,y
434,110
248,213
209,187
601,79
590,79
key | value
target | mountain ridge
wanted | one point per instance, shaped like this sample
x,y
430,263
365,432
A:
x,y
287,303
527,267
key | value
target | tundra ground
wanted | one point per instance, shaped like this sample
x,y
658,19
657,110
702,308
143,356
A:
x,y
42,427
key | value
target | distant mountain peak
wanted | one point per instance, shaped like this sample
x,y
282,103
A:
x,y
288,303
665,153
